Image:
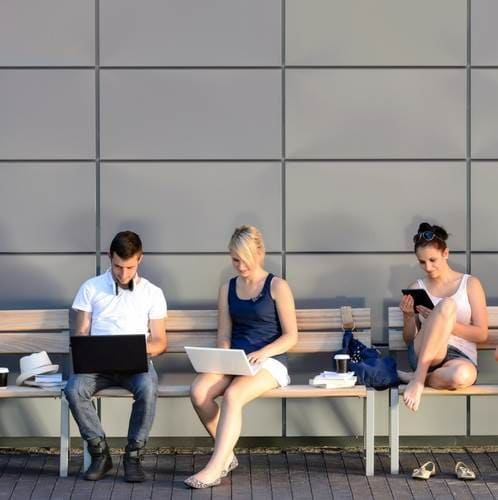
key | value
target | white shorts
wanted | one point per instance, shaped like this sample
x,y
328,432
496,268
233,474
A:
x,y
277,370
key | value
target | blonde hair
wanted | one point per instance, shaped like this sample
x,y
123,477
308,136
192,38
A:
x,y
247,242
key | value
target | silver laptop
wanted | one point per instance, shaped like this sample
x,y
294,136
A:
x,y
215,360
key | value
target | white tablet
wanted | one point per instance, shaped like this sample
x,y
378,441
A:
x,y
215,360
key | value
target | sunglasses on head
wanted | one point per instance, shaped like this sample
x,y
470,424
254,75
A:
x,y
427,236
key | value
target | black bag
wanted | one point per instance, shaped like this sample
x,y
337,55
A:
x,y
370,368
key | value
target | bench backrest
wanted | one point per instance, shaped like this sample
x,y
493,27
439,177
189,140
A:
x,y
27,331
396,342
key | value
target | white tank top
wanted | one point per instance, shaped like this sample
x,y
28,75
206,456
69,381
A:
x,y
464,316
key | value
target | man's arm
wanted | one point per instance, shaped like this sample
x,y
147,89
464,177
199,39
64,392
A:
x,y
80,322
157,342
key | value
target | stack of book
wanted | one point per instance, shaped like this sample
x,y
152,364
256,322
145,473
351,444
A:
x,y
333,380
47,381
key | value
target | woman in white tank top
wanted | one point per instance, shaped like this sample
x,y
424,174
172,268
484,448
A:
x,y
442,341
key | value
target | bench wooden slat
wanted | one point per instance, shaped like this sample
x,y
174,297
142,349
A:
x,y
178,320
307,319
191,320
58,342
396,317
21,343
291,391
330,319
396,342
33,320
308,341
13,391
325,341
308,391
473,390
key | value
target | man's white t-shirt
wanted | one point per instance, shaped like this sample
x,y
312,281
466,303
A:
x,y
128,312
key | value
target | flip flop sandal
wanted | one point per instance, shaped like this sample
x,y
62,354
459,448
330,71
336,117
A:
x,y
463,472
425,471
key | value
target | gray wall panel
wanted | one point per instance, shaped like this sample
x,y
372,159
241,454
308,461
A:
x,y
483,407
47,114
219,114
383,84
43,281
484,116
192,281
385,32
28,417
484,206
343,417
176,417
485,267
327,207
484,36
189,33
436,416
220,194
324,417
362,113
373,281
54,207
48,33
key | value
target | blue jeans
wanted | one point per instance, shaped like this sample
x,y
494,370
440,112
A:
x,y
80,389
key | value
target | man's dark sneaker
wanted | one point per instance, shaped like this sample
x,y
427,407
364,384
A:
x,y
101,459
134,472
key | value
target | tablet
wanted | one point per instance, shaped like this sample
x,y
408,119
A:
x,y
420,297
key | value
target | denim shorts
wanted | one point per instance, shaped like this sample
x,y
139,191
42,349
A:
x,y
451,353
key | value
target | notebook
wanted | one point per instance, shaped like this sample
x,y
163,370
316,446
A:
x,y
109,354
215,360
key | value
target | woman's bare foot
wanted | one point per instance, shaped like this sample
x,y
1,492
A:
x,y
412,394
228,461
406,377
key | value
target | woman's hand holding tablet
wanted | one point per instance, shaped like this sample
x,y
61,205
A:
x,y
420,297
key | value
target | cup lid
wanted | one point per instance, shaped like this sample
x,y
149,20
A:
x,y
341,356
4,370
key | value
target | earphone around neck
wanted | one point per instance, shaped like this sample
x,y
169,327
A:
x,y
131,285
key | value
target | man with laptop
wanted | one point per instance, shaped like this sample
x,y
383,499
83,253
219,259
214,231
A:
x,y
118,322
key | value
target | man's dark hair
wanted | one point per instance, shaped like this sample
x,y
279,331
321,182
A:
x,y
125,245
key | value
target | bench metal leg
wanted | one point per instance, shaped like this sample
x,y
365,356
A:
x,y
394,429
369,431
65,435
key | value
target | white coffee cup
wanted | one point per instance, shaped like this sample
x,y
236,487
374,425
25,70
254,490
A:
x,y
341,363
4,375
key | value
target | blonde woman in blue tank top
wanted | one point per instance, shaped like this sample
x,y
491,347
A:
x,y
256,313
442,341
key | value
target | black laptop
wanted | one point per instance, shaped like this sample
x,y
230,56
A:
x,y
109,354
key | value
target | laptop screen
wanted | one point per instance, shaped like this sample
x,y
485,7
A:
x,y
109,354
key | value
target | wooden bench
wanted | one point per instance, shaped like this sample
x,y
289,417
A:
x,y
397,344
320,330
24,332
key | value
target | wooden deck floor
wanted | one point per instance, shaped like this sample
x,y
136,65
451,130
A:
x,y
314,475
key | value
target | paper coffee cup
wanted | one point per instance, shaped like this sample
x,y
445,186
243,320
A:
x,y
341,363
4,375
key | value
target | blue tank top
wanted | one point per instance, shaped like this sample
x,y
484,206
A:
x,y
255,322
